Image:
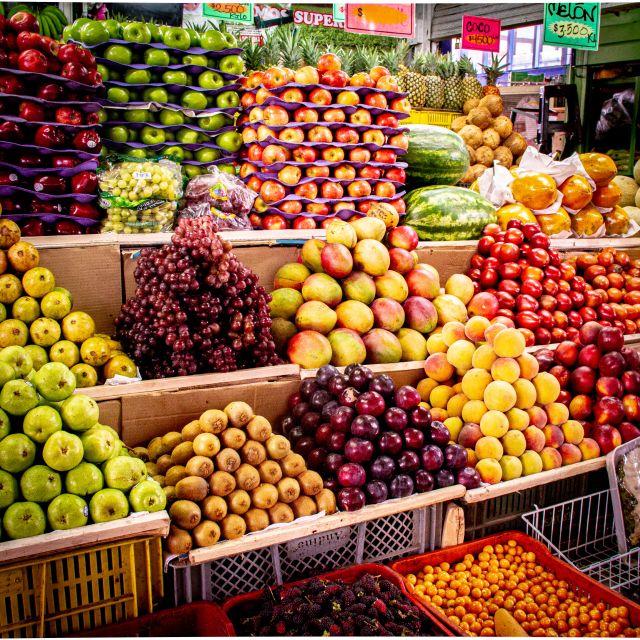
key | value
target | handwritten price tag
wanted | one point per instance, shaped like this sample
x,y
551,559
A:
x,y
572,24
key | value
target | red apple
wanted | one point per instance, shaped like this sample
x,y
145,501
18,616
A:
x,y
370,173
272,191
87,141
377,100
607,437
347,135
74,71
335,79
334,115
320,96
54,185
321,134
293,94
362,79
84,210
67,115
608,410
328,62
23,21
274,77
33,61
627,431
318,172
331,190
345,172
360,117
306,114
11,132
67,228
33,228
84,182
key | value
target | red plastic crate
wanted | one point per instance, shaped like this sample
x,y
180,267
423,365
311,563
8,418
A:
x,y
577,581
203,619
348,575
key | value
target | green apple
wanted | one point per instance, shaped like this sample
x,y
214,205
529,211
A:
x,y
41,422
169,117
5,423
94,33
104,72
203,138
188,155
156,34
193,100
56,304
136,32
113,28
79,412
115,75
173,59
99,445
17,453
103,116
194,36
175,77
156,94
138,115
40,484
232,41
170,136
24,520
18,397
232,64
156,57
229,141
117,134
213,40
123,472
54,381
66,352
137,76
147,496
227,168
214,122
67,33
107,505
67,511
207,155
137,153
187,136
118,94
26,309
177,152
133,135
151,135
210,80
191,170
227,100
176,38
8,489
18,358
118,53
77,26
195,59
84,480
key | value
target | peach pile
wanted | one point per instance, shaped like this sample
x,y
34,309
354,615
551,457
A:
x,y
497,403
506,576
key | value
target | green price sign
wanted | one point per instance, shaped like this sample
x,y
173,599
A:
x,y
574,25
229,11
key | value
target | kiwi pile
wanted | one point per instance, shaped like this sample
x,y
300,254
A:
x,y
227,474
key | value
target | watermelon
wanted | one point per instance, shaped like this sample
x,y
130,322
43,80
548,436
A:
x,y
436,156
448,213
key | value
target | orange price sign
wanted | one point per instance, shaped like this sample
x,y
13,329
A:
x,y
397,20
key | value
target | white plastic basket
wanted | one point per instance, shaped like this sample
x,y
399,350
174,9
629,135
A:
x,y
582,532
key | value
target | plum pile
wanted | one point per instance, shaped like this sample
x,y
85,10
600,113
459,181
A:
x,y
370,440
196,308
370,606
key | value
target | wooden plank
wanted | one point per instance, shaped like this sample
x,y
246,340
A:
x,y
151,524
544,477
297,530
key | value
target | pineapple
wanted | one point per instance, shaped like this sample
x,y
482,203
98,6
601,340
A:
x,y
452,84
270,52
493,71
348,60
412,82
289,42
309,50
434,85
253,55
471,87
389,59
366,58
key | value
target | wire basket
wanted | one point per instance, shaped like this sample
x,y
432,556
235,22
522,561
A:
x,y
582,532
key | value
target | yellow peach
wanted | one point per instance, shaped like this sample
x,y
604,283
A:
x,y
490,470
573,432
452,332
553,436
509,343
528,366
474,382
537,417
460,354
489,447
475,328
534,438
500,395
551,458
506,369
456,404
514,443
492,331
494,423
484,356
547,387
473,411
457,387
440,396
511,467
531,463
557,413
570,453
436,344
518,419
525,393
589,449
439,414
437,367
454,425
472,458
425,387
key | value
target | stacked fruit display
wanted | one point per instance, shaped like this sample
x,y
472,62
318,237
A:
x,y
352,300
170,90
226,474
319,144
520,276
511,416
49,137
370,440
37,315
600,383
50,20
59,467
196,308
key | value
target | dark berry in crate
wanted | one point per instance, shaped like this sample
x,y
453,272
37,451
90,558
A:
x,y
351,474
310,422
320,398
349,397
308,387
432,457
383,384
341,419
413,438
370,403
365,426
323,433
469,478
358,450
334,461
337,441
300,409
407,397
304,446
325,373
390,443
455,457
287,424
445,478
351,499
329,409
401,486
408,461
338,384
439,434
396,419
424,481
383,468
315,458
376,491
420,418
360,377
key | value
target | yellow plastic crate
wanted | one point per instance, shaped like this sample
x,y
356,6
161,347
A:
x,y
74,591
437,117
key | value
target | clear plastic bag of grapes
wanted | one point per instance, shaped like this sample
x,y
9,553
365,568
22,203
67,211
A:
x,y
150,216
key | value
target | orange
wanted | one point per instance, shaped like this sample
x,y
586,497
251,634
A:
x,y
600,167
576,192
534,190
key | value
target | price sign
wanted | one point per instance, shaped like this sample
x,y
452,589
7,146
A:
x,y
480,34
229,11
397,20
575,25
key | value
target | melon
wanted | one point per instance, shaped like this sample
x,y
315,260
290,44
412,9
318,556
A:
x,y
636,171
628,188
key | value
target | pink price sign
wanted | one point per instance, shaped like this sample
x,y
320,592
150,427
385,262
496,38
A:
x,y
480,34
396,20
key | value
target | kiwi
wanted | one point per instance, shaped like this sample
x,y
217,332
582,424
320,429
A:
x,y
233,438
238,501
258,428
253,453
206,444
191,430
239,413
247,477
304,506
152,468
233,526
256,519
214,508
270,472
159,479
278,447
326,501
288,490
206,534
169,492
182,453
200,466
171,440
164,463
185,513
293,465
175,474
192,488
178,541
142,453
228,460
281,512
310,482
222,483
264,496
155,449
213,421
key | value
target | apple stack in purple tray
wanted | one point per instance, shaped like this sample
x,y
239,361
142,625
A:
x,y
49,140
172,91
319,144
